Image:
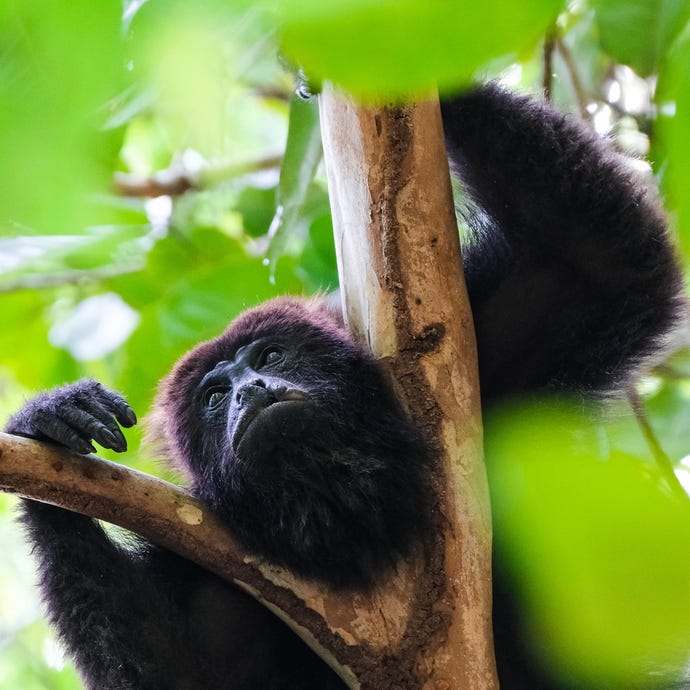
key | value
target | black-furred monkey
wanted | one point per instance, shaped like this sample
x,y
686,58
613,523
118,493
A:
x,y
288,429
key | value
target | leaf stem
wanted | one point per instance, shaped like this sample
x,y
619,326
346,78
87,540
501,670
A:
x,y
662,459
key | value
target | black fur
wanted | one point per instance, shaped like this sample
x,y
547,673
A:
x,y
290,431
573,283
313,484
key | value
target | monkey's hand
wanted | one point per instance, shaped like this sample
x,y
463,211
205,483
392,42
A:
x,y
74,415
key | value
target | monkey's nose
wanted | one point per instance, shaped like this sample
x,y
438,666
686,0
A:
x,y
254,393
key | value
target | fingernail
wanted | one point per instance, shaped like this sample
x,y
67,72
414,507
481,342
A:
x,y
130,416
110,440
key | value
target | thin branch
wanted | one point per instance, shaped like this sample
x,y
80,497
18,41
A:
x,y
580,92
547,77
219,173
177,179
163,183
662,459
73,277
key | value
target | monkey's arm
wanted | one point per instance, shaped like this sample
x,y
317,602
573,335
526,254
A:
x,y
573,279
115,620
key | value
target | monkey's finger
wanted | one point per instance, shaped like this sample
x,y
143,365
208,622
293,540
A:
x,y
117,405
56,430
92,405
86,423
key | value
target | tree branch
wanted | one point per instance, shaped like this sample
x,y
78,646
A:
x,y
154,508
347,629
550,40
177,179
578,87
662,460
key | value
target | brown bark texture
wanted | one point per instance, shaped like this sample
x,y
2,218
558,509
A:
x,y
405,298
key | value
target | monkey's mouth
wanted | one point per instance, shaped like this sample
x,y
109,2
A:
x,y
274,411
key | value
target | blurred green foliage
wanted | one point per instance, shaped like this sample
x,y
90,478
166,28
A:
x,y
598,545
388,48
651,27
159,177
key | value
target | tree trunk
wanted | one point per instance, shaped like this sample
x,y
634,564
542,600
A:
x,y
404,296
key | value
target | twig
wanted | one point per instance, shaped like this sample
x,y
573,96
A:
x,y
163,183
51,280
662,459
177,180
547,77
580,92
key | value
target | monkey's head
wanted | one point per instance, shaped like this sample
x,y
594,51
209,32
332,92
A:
x,y
290,431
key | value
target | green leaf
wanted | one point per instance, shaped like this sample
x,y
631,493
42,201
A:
x,y
192,56
208,280
673,127
639,33
257,208
599,547
59,63
302,157
392,48
25,346
38,261
317,264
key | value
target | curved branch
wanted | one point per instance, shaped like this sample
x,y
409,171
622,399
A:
x,y
347,629
168,516
151,507
575,79
177,179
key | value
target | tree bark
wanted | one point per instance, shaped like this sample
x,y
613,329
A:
x,y
405,298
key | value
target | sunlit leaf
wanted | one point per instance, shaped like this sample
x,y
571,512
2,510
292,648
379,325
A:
x,y
192,56
35,261
640,33
389,48
51,93
302,156
598,545
257,208
24,345
97,326
317,264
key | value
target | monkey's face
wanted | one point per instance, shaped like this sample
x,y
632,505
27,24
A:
x,y
255,394
269,404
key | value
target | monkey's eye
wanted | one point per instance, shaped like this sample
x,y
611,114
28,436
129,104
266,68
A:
x,y
270,355
215,396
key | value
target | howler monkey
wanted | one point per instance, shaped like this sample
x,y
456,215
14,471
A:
x,y
288,429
